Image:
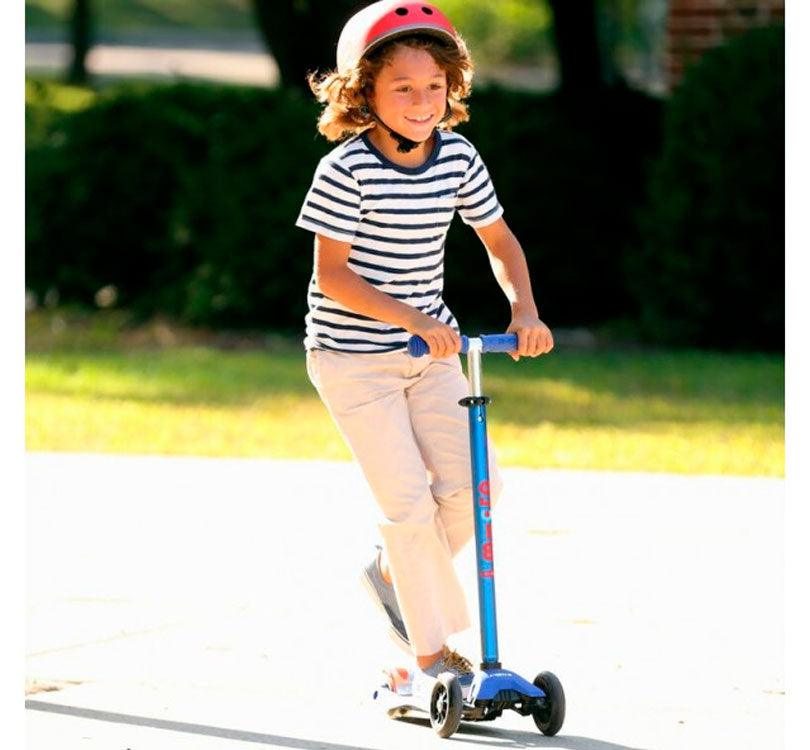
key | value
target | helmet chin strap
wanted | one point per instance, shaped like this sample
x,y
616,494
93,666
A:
x,y
404,145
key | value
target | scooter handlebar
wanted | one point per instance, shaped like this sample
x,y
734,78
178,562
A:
x,y
490,342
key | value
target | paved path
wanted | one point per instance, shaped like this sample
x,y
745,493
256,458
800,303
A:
x,y
252,67
193,603
240,59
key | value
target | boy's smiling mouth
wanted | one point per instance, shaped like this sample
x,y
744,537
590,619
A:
x,y
419,120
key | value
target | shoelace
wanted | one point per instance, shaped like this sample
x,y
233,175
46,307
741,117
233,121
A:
x,y
456,662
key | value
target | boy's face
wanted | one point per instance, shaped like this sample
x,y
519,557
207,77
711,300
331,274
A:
x,y
410,93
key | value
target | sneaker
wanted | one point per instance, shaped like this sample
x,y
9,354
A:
x,y
450,661
386,599
398,680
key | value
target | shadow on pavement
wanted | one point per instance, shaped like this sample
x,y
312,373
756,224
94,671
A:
x,y
491,736
179,726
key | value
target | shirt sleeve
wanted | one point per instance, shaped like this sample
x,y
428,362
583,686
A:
x,y
332,205
476,201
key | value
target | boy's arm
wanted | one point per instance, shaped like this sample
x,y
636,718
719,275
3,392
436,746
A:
x,y
338,282
512,273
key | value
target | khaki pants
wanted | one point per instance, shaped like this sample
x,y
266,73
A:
x,y
401,418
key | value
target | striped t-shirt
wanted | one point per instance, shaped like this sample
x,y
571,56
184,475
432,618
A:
x,y
396,219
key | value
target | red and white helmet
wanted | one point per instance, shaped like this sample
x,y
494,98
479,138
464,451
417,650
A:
x,y
385,20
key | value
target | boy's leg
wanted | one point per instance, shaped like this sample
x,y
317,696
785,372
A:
x,y
442,433
366,397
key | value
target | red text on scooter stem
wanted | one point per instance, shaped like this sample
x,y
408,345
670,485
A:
x,y
484,506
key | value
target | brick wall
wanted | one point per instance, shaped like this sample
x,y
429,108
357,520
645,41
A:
x,y
695,26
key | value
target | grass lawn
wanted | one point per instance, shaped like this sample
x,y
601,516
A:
x,y
92,387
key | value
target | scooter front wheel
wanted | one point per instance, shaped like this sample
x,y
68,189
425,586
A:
x,y
446,704
550,717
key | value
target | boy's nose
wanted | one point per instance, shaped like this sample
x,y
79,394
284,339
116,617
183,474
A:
x,y
420,97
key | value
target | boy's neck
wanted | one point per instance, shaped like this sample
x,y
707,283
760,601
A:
x,y
386,145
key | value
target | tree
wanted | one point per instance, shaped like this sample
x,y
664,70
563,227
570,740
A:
x,y
80,37
302,34
577,41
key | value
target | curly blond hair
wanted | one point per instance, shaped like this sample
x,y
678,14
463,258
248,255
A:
x,y
346,95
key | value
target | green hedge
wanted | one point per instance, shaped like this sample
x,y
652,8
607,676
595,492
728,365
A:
x,y
710,266
184,197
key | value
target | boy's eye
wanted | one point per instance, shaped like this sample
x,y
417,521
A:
x,y
406,89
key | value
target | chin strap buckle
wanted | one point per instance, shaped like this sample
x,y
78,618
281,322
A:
x,y
404,145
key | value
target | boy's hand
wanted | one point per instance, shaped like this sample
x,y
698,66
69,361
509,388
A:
x,y
534,336
440,337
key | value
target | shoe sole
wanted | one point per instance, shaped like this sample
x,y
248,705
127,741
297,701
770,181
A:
x,y
393,633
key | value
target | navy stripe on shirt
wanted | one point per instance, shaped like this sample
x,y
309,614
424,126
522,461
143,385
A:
x,y
481,202
340,185
361,329
316,191
326,225
407,181
390,269
409,256
329,211
398,240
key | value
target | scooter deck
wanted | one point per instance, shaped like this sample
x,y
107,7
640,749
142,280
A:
x,y
507,688
401,704
398,706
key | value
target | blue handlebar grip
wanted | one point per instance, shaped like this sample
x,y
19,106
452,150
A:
x,y
490,342
418,347
499,342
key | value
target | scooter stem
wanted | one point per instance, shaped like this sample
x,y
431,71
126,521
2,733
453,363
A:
x,y
482,505
474,348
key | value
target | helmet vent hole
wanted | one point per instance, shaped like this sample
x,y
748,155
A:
x,y
427,11
401,11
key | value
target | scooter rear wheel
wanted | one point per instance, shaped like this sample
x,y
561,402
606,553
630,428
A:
x,y
549,719
446,705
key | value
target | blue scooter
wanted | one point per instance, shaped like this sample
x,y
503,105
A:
x,y
493,689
